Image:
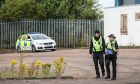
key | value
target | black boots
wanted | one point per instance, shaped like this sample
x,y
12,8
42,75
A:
x,y
113,78
107,77
103,74
97,77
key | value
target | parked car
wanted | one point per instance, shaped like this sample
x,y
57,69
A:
x,y
35,42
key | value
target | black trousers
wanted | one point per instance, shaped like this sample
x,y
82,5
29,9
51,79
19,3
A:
x,y
98,58
108,60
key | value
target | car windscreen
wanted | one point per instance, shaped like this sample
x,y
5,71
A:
x,y
39,37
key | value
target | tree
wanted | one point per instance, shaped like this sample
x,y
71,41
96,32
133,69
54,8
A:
x,y
57,8
88,9
91,10
16,9
1,1
41,9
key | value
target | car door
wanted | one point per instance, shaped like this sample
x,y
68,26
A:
x,y
23,42
28,43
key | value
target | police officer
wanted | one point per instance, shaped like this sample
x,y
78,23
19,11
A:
x,y
97,48
111,56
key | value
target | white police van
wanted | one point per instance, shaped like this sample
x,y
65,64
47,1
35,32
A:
x,y
35,42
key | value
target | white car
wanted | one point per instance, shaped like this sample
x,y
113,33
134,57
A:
x,y
35,42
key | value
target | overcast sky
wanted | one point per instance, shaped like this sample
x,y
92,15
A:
x,y
107,3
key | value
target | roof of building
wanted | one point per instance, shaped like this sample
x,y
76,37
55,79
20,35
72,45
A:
x,y
123,6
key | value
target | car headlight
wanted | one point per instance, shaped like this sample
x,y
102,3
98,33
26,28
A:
x,y
39,43
54,43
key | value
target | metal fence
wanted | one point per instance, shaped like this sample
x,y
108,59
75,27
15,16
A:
x,y
66,32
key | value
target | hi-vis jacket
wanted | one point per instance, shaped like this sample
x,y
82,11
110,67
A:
x,y
111,47
97,45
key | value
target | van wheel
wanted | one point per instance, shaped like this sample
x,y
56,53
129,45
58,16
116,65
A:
x,y
18,49
33,49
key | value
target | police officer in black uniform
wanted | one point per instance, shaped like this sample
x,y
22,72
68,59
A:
x,y
111,56
97,49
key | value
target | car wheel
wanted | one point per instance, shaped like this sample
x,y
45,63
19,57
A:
x,y
53,49
33,49
18,49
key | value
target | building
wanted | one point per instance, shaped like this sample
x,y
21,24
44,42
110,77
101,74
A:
x,y
126,2
123,20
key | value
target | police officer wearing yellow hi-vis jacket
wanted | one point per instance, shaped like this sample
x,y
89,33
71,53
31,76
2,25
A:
x,y
97,49
111,56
